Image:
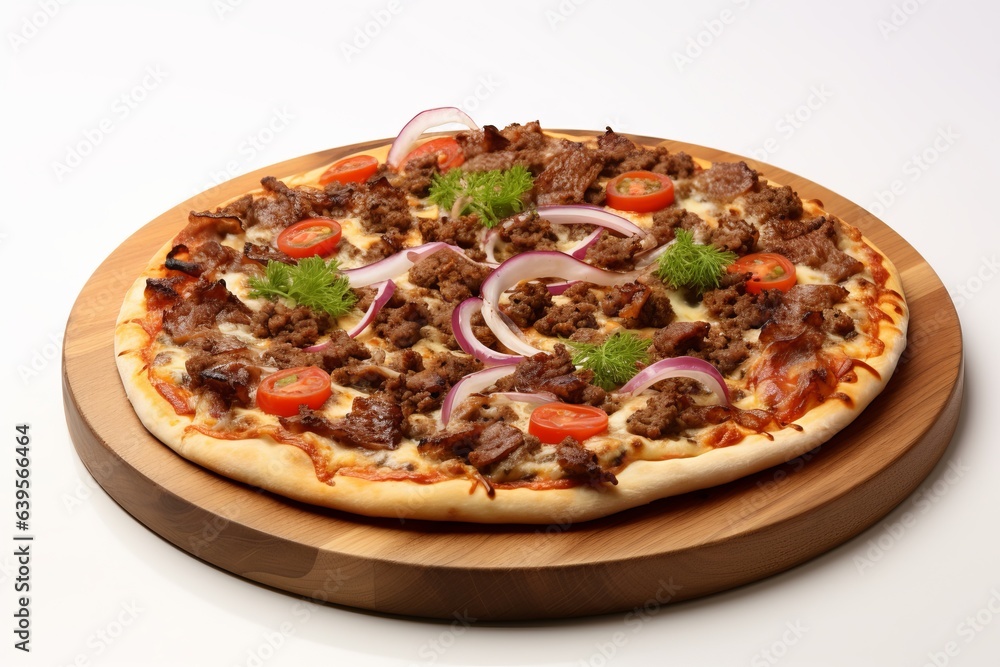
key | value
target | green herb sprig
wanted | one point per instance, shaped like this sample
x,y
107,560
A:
x,y
312,282
615,361
492,194
691,265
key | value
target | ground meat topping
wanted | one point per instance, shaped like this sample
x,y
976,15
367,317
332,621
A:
x,y
738,309
463,231
208,305
666,222
566,178
495,443
456,277
264,254
615,253
400,320
224,365
527,232
299,326
564,319
639,305
810,242
802,300
766,202
526,303
373,423
554,373
734,235
581,464
725,181
669,413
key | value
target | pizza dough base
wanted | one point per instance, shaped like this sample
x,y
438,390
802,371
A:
x,y
288,471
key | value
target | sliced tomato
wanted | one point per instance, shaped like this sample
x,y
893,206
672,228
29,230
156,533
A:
x,y
552,422
769,271
350,170
449,153
283,392
312,236
640,191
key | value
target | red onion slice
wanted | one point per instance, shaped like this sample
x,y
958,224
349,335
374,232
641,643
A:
x,y
580,249
539,398
471,384
531,266
685,367
384,292
419,124
461,326
591,215
394,265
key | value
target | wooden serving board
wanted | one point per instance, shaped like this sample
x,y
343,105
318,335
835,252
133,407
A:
x,y
673,549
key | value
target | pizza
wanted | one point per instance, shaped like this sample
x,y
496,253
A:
x,y
507,326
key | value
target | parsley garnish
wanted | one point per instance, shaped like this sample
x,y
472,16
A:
x,y
687,264
614,362
492,194
312,282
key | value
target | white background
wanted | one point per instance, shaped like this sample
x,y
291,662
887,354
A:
x,y
145,106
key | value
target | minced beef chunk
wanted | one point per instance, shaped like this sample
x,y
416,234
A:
x,y
456,277
737,308
400,321
678,338
476,142
340,351
639,305
810,242
224,365
554,372
566,178
801,300
621,155
666,222
766,202
463,231
527,232
527,302
417,174
564,319
616,253
724,348
282,205
265,253
669,413
374,422
208,305
580,463
725,181
380,205
210,257
496,442
299,326
734,235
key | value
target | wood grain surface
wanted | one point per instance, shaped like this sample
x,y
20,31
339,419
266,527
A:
x,y
673,549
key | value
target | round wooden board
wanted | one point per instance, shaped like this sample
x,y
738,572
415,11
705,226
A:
x,y
673,549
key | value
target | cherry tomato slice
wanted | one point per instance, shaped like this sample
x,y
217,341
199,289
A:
x,y
449,153
283,392
769,271
640,191
312,236
552,422
350,170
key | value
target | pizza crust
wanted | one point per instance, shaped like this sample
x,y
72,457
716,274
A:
x,y
288,471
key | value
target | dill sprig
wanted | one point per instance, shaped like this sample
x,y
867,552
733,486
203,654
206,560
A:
x,y
492,194
615,361
312,282
688,264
